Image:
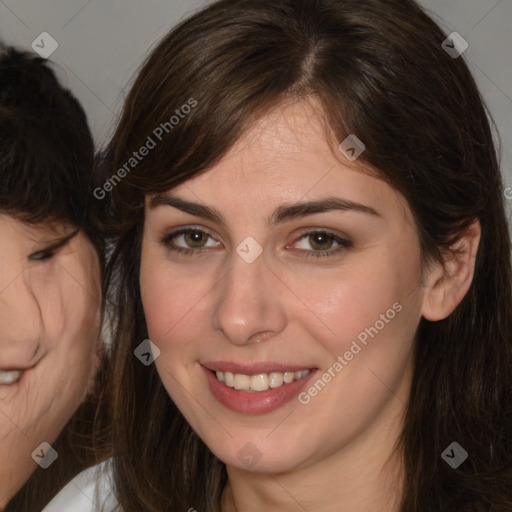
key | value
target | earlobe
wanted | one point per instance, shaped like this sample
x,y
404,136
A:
x,y
445,286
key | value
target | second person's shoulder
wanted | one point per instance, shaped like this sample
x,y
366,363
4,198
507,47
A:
x,y
90,491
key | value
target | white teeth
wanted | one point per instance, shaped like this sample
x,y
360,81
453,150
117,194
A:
x,y
242,382
259,382
275,379
229,379
288,377
10,376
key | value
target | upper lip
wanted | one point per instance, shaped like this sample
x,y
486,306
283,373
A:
x,y
253,368
21,368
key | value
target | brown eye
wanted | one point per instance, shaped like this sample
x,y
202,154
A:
x,y
195,238
321,241
189,241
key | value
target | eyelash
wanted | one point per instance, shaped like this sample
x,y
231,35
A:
x,y
45,255
51,250
167,239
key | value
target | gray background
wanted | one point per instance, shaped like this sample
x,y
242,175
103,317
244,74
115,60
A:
x,y
102,43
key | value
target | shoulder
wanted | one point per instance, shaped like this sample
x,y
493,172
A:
x,y
90,491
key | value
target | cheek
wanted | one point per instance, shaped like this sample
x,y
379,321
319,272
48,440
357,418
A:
x,y
159,301
375,301
155,295
64,377
168,303
71,314
369,318
71,308
169,299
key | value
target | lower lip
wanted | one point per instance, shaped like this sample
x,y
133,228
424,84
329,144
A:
x,y
258,402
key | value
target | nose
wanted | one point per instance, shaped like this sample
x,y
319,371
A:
x,y
248,306
20,317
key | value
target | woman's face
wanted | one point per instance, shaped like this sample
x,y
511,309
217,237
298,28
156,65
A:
x,y
49,327
297,279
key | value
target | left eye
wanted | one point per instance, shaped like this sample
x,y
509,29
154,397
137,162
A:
x,y
320,243
41,255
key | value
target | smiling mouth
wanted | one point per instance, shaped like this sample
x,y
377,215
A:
x,y
9,377
260,381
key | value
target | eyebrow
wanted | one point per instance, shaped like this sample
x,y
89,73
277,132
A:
x,y
283,213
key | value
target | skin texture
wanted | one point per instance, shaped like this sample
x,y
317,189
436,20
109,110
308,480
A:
x,y
288,308
49,322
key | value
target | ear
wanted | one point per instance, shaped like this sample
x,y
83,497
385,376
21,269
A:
x,y
446,286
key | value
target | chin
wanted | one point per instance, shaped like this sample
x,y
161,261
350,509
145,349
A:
x,y
260,454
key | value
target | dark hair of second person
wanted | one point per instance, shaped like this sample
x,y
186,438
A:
x,y
46,183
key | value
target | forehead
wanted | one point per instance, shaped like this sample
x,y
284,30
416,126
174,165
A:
x,y
286,156
289,134
15,228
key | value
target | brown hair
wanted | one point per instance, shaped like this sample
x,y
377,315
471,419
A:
x,y
380,72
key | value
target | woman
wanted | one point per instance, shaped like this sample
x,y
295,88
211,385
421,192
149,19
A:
x,y
50,284
310,231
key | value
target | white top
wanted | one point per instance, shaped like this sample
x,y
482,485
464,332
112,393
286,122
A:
x,y
90,491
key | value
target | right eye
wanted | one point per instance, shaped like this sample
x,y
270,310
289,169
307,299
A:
x,y
189,241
